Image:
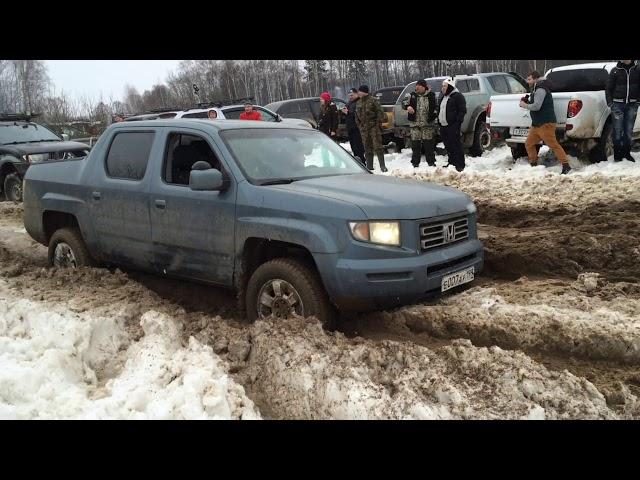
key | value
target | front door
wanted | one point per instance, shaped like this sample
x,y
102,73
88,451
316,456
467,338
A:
x,y
192,231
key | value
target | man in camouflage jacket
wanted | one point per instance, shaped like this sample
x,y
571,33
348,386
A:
x,y
369,117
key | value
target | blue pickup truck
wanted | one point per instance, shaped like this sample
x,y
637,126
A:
x,y
281,214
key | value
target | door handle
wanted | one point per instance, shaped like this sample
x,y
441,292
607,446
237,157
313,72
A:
x,y
161,204
95,195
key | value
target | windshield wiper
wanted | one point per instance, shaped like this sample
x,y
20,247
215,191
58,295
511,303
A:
x,y
278,181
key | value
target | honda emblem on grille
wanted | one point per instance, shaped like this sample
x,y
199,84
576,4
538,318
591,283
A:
x,y
448,232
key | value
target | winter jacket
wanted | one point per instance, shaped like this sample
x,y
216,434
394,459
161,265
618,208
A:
x,y
413,102
455,108
541,111
369,113
254,115
350,118
623,84
328,121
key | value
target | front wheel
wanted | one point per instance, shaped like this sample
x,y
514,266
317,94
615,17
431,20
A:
x,y
13,188
604,149
68,250
284,288
481,139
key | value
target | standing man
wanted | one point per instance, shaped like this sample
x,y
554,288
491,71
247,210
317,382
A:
x,y
543,121
453,108
623,94
421,108
355,140
249,113
369,117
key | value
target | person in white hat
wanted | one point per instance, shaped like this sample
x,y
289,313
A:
x,y
453,107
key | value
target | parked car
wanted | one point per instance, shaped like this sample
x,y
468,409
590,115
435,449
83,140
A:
x,y
73,132
309,109
583,118
477,89
24,143
225,112
387,97
284,215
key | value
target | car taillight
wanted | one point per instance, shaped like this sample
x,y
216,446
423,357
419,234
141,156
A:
x,y
488,110
574,108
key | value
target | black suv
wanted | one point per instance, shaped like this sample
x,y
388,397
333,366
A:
x,y
23,142
309,109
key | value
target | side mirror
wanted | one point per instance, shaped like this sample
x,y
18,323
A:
x,y
206,178
65,137
278,118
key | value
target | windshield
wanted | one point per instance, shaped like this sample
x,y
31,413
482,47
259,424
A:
x,y
285,154
25,133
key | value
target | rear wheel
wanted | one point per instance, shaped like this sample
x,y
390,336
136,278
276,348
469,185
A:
x,y
13,187
481,139
604,149
518,150
68,250
284,288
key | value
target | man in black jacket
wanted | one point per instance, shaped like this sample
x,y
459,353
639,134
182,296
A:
x,y
421,108
355,140
623,95
452,107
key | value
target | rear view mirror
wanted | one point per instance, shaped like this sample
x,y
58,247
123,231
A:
x,y
208,179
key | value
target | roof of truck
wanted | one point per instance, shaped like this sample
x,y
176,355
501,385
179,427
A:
x,y
606,65
217,124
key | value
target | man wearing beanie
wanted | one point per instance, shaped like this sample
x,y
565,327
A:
x,y
453,107
355,140
421,108
369,117
623,97
328,121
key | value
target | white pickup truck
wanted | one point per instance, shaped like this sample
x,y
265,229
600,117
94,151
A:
x,y
583,117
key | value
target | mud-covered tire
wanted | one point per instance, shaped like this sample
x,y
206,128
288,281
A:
x,y
13,188
481,139
604,149
71,238
304,280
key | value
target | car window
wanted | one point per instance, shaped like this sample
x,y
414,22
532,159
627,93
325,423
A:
x,y
578,80
407,90
266,115
340,104
129,154
514,85
462,86
498,84
315,107
233,113
474,85
196,115
26,132
183,150
388,96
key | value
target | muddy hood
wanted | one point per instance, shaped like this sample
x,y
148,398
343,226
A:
x,y
382,197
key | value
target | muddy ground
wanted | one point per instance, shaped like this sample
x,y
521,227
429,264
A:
x,y
551,329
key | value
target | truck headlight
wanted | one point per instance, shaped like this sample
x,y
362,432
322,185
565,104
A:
x,y
36,158
471,207
381,233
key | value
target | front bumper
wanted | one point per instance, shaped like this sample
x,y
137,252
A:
x,y
371,284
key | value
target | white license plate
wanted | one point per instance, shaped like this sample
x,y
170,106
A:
x,y
520,132
458,278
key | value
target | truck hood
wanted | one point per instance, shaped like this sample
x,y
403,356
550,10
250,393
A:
x,y
385,198
44,147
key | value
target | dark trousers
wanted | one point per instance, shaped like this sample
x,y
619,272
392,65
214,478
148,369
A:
x,y
453,144
355,140
624,117
417,146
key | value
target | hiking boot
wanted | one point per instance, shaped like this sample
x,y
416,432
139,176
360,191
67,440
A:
x,y
565,169
533,164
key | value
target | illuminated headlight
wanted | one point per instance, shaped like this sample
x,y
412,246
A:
x,y
36,158
471,207
382,233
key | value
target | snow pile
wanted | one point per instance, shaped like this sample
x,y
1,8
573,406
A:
x,y
61,364
300,371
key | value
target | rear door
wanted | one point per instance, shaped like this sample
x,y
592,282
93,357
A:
x,y
119,197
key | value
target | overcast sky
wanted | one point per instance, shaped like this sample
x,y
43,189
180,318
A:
x,y
107,77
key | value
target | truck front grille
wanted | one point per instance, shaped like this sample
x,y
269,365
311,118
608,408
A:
x,y
444,232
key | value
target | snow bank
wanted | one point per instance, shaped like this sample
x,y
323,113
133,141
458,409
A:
x,y
61,364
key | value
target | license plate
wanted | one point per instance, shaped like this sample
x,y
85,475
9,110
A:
x,y
458,278
520,132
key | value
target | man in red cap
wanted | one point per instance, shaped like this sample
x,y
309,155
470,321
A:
x,y
328,121
249,113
